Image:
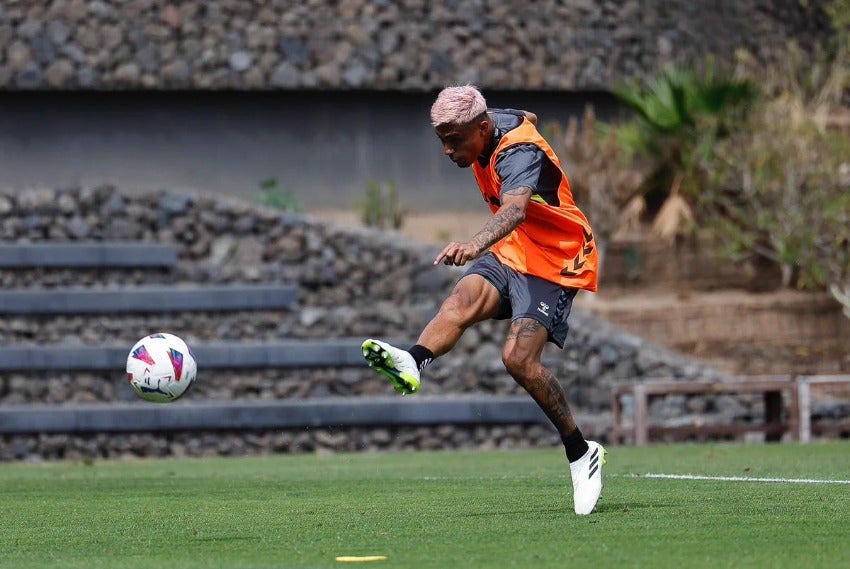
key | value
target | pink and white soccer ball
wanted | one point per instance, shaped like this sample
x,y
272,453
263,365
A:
x,y
161,368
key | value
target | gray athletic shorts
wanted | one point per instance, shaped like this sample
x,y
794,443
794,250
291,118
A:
x,y
527,296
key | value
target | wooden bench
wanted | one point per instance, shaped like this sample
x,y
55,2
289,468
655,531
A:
x,y
774,427
804,399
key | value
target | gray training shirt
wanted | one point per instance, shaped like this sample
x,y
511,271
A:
x,y
523,165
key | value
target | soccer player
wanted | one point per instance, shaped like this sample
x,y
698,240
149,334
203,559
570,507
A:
x,y
530,259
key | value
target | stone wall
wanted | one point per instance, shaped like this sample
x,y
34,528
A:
x,y
364,44
353,283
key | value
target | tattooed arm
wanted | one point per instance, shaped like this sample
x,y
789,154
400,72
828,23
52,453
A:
x,y
507,218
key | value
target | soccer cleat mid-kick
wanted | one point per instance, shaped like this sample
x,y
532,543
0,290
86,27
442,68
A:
x,y
398,365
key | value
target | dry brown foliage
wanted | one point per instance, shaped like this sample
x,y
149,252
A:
x,y
603,180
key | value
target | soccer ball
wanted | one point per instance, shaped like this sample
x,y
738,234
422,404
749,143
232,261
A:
x,y
161,368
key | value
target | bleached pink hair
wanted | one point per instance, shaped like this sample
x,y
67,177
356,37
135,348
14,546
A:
x,y
457,105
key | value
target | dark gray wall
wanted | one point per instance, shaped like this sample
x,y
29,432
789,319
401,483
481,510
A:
x,y
323,146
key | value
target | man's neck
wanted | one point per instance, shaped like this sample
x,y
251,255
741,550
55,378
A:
x,y
490,146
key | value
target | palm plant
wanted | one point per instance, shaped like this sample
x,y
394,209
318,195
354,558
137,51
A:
x,y
678,117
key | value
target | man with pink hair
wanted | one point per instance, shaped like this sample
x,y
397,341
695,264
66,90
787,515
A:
x,y
530,260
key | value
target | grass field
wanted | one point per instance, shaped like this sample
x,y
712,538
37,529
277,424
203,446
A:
x,y
440,510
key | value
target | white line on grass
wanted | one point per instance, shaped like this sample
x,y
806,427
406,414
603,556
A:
x,y
735,478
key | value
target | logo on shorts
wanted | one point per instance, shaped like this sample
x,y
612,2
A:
x,y
543,309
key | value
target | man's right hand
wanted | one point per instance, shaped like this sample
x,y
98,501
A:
x,y
457,254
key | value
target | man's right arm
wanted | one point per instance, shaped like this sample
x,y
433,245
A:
x,y
507,218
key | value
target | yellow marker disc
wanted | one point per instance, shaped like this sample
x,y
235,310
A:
x,y
367,559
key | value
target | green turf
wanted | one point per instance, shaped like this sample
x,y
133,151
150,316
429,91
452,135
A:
x,y
440,510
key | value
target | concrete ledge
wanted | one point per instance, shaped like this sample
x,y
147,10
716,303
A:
x,y
147,299
82,255
284,354
326,412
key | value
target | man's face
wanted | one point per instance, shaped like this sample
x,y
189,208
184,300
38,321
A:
x,y
463,144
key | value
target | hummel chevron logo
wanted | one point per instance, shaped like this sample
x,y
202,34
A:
x,y
578,263
579,260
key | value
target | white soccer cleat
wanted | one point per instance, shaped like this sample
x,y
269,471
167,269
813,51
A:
x,y
587,478
398,365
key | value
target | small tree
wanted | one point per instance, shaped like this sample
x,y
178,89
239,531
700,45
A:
x,y
779,187
778,194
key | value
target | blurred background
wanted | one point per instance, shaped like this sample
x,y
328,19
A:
x,y
278,157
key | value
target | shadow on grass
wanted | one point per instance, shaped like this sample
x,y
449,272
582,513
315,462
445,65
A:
x,y
227,538
525,512
609,508
625,507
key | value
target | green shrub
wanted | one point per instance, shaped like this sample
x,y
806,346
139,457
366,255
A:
x,y
381,207
277,198
779,188
678,116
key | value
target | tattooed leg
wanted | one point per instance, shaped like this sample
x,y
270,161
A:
x,y
472,300
521,355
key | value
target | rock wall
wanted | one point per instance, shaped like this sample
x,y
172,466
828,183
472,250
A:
x,y
353,283
365,44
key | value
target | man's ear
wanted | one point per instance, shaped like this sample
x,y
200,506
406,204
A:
x,y
483,126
